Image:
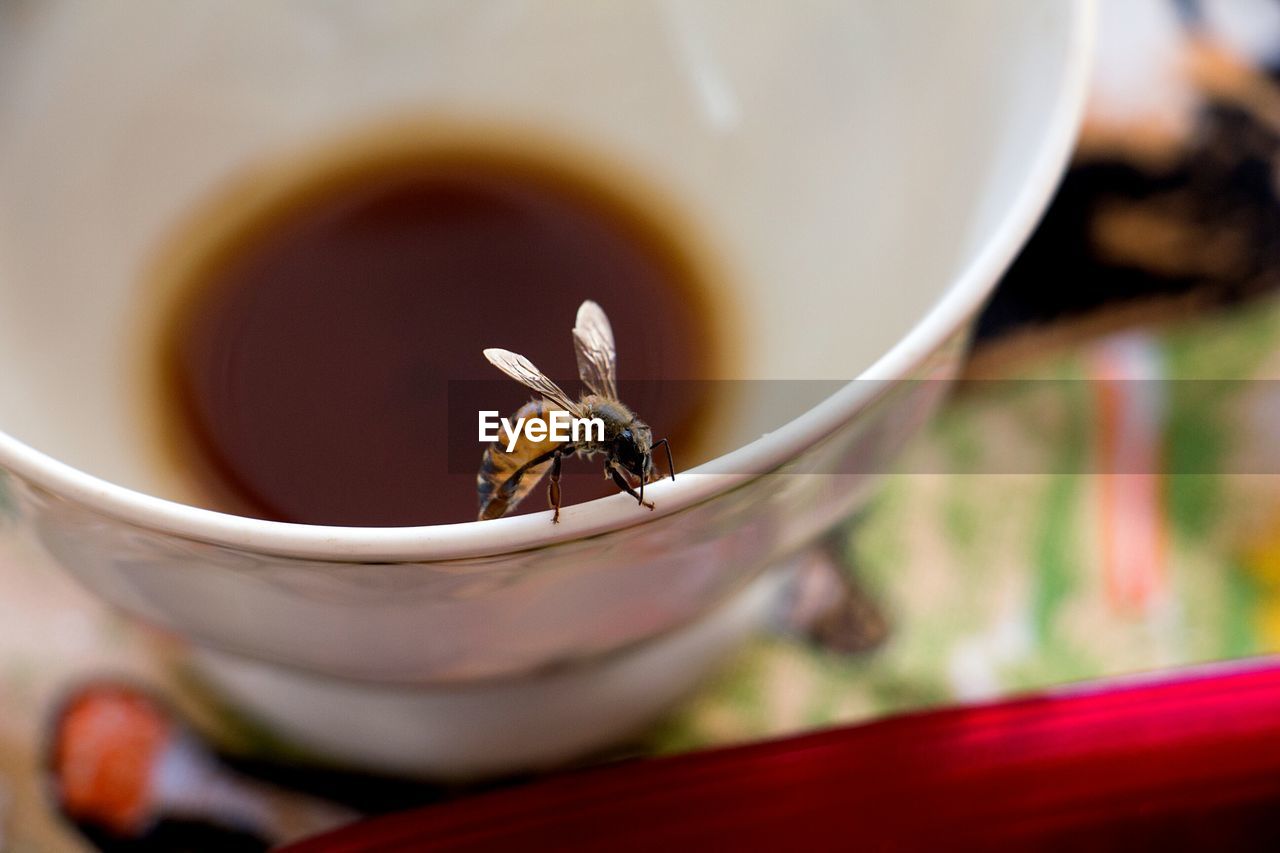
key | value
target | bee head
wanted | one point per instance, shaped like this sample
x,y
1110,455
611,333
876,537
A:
x,y
632,447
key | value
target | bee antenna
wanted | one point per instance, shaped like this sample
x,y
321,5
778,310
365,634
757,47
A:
x,y
671,465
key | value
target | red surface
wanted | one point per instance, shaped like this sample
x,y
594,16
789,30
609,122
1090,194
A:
x,y
1192,761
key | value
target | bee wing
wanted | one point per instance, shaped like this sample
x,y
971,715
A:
x,y
523,371
597,354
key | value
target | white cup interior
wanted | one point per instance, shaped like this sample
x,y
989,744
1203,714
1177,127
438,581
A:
x,y
843,160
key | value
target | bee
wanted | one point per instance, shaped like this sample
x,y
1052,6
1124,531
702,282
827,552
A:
x,y
506,478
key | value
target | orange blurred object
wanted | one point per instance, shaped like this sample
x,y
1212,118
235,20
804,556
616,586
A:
x,y
107,745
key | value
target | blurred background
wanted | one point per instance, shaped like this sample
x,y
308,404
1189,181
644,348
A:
x,y
1158,262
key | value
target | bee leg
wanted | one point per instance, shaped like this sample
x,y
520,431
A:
x,y
553,488
508,487
627,487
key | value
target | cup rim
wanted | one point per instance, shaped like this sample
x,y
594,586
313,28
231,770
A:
x,y
439,542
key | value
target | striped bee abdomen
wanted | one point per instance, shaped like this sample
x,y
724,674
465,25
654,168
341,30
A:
x,y
498,466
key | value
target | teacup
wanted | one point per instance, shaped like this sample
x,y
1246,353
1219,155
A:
x,y
865,169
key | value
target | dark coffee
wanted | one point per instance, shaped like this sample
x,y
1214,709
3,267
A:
x,y
308,361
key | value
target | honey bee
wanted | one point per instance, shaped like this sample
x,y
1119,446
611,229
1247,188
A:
x,y
507,477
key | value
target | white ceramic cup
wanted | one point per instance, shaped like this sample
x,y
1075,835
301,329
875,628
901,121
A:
x,y
864,170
